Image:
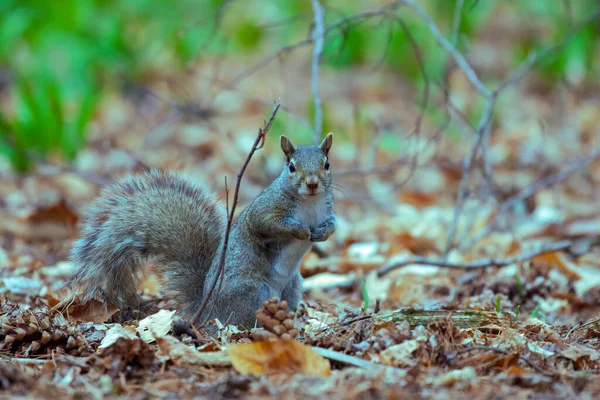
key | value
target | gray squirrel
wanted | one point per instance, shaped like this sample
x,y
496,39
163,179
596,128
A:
x,y
166,220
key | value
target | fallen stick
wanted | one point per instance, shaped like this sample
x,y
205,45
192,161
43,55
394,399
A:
x,y
483,263
464,319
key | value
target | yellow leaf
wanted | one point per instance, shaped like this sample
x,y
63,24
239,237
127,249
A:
x,y
277,357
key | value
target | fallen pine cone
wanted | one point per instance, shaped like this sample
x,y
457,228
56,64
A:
x,y
25,332
276,322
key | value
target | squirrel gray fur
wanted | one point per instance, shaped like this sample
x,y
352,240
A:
x,y
163,219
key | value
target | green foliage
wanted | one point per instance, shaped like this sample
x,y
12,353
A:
x,y
498,305
536,311
517,311
47,120
365,295
65,55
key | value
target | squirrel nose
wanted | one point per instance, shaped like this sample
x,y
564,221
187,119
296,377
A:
x,y
312,183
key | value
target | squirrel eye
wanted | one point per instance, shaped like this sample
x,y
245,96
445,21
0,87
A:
x,y
327,165
292,167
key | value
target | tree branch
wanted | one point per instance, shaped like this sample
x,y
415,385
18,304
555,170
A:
x,y
446,45
258,144
318,37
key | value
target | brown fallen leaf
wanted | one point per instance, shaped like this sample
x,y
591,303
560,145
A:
x,y
54,222
185,356
556,260
90,311
277,357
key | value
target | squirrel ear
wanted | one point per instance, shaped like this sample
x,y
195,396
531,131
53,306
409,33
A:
x,y
287,146
326,143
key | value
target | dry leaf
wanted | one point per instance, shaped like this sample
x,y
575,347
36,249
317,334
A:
x,y
467,376
155,325
277,357
401,355
91,311
186,356
114,334
419,200
57,221
557,260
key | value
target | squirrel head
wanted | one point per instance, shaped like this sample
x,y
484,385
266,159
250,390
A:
x,y
307,168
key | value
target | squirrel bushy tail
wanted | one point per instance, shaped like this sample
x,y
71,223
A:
x,y
157,218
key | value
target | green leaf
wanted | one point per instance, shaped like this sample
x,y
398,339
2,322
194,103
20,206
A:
x,y
365,295
536,310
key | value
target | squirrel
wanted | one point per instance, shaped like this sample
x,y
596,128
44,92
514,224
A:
x,y
163,219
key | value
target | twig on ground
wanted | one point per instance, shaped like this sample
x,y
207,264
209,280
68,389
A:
x,y
350,360
483,263
258,144
505,352
318,37
581,326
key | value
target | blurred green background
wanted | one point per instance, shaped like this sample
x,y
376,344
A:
x,y
58,59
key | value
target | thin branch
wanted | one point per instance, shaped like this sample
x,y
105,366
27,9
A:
x,y
581,326
349,360
505,352
484,126
425,100
483,263
529,191
340,24
258,144
446,45
318,37
534,57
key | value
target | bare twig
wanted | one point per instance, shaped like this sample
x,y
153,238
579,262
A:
x,y
505,352
484,126
349,360
258,143
533,58
318,37
483,263
529,191
417,129
340,24
446,45
581,326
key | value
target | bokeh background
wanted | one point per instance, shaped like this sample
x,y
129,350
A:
x,y
75,71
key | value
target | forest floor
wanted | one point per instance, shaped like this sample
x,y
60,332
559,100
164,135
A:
x,y
511,310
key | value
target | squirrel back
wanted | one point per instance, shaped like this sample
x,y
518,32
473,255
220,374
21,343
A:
x,y
157,218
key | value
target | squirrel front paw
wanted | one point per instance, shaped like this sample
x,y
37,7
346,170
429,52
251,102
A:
x,y
322,232
304,234
319,234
